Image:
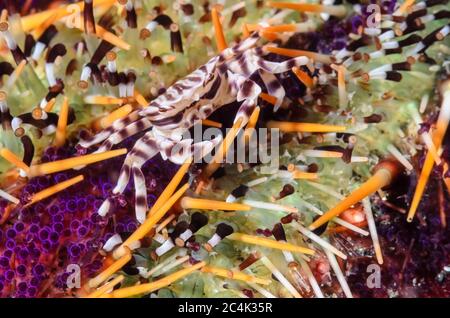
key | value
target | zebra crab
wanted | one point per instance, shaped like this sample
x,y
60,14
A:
x,y
222,80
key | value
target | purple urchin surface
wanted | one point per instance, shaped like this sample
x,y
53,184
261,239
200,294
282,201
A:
x,y
40,242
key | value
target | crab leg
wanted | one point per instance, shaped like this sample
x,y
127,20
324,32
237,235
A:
x,y
276,68
130,130
274,88
104,134
141,194
144,149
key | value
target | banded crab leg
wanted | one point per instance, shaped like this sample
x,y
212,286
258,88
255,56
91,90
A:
x,y
128,131
87,142
140,190
242,47
145,149
273,86
277,68
251,61
246,91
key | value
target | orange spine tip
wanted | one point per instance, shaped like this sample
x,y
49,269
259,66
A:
x,y
268,98
9,207
303,77
60,138
33,21
115,115
66,164
140,99
322,154
226,273
304,175
438,136
105,288
9,156
421,185
54,189
199,188
265,242
211,123
222,151
271,36
245,31
342,87
103,276
281,28
16,74
304,127
404,7
164,223
204,204
382,177
337,10
253,27
295,53
150,287
111,38
103,100
220,37
253,118
48,108
171,187
446,180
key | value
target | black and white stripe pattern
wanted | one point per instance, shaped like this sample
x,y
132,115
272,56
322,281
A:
x,y
198,220
11,43
47,124
180,227
131,14
437,35
59,50
29,45
43,42
167,23
387,42
91,69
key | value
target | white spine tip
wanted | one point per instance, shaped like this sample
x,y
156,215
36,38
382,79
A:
x,y
104,208
112,242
